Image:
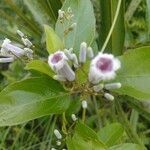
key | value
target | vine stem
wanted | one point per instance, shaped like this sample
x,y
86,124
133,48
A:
x,y
112,26
83,115
130,132
97,111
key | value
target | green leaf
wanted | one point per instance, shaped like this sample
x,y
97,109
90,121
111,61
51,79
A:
x,y
126,146
30,99
85,19
40,66
53,42
107,11
84,138
134,74
111,133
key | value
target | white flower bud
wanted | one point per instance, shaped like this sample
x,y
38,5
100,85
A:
x,y
73,26
109,96
68,54
82,53
21,34
70,50
74,118
58,143
6,60
90,53
98,87
57,134
60,14
26,42
75,61
29,53
84,104
59,78
112,86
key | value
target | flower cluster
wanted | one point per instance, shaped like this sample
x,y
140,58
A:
x,y
10,51
102,68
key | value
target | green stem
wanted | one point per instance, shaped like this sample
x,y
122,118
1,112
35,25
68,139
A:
x,y
83,115
112,26
97,112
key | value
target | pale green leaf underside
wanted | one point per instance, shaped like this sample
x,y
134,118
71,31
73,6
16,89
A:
x,y
85,19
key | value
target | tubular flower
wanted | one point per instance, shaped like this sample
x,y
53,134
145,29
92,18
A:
x,y
103,67
58,63
10,50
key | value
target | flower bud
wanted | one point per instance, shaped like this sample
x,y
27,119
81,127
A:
x,y
68,54
74,118
98,87
111,86
58,143
21,34
73,26
109,96
60,14
90,53
84,104
26,42
57,134
82,53
75,61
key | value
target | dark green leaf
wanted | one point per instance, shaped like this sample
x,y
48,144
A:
x,y
134,74
30,99
84,138
111,133
127,146
40,66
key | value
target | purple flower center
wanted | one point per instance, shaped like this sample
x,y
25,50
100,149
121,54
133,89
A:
x,y
56,58
104,64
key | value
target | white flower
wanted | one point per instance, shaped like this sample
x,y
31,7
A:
x,y
57,60
9,49
58,63
103,67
